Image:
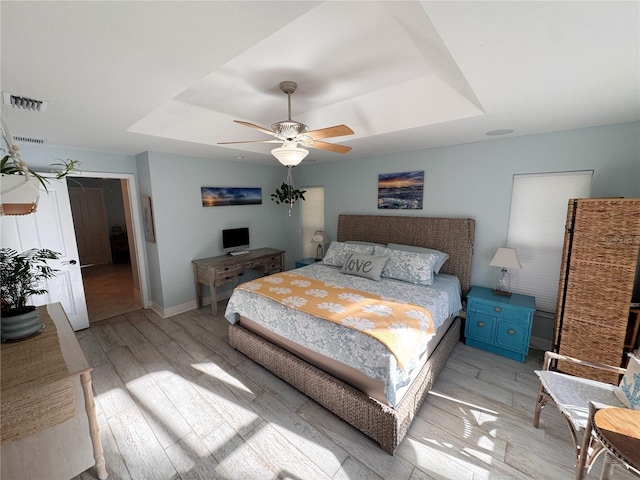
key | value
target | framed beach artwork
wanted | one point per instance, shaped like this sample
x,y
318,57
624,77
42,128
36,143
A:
x,y
224,196
401,190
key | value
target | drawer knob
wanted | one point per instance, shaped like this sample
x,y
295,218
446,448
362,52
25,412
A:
x,y
481,324
511,331
497,309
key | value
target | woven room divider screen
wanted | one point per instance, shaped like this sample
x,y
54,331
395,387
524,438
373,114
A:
x,y
599,260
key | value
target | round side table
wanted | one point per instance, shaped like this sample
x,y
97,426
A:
x,y
618,429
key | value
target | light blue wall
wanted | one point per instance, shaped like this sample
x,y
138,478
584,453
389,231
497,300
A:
x,y
40,158
185,230
474,180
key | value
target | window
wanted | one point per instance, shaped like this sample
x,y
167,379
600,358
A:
x,y
311,218
536,230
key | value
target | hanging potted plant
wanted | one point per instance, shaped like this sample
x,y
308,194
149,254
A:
x,y
19,185
287,194
21,275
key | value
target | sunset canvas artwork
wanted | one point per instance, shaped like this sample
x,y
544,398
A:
x,y
223,196
401,190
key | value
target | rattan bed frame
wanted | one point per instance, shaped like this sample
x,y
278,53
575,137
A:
x,y
384,424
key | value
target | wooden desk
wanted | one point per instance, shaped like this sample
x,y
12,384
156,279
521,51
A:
x,y
216,271
618,429
49,425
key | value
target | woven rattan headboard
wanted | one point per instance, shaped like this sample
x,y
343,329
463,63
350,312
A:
x,y
451,235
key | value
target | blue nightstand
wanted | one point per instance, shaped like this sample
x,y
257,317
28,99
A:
x,y
499,324
305,261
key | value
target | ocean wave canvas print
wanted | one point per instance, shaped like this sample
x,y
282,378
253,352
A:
x,y
223,196
401,190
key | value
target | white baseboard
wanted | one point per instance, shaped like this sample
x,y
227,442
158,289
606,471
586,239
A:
x,y
184,307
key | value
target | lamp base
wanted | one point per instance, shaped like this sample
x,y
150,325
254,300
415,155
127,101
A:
x,y
501,292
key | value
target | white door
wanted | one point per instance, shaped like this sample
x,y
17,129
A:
x,y
90,224
51,227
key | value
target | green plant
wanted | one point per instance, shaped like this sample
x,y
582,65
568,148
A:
x,y
11,164
287,194
20,276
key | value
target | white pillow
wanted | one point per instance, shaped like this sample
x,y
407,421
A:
x,y
442,257
409,267
367,266
338,251
628,392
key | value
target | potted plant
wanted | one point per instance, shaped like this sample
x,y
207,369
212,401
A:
x,y
19,185
287,194
21,275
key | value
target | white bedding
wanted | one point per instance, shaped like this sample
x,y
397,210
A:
x,y
349,346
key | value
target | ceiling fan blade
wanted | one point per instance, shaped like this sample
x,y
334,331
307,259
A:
x,y
335,131
331,147
251,141
257,127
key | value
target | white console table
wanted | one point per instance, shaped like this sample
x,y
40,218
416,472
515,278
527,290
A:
x,y
49,425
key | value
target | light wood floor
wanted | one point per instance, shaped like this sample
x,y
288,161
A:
x,y
109,290
175,401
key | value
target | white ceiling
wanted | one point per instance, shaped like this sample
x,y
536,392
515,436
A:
x,y
129,77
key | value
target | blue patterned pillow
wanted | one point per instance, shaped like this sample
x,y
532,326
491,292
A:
x,y
442,257
338,251
409,267
628,392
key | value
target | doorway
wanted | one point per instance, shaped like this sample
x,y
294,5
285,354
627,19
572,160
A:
x,y
101,214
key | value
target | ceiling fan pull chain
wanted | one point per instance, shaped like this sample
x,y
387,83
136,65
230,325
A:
x,y
291,187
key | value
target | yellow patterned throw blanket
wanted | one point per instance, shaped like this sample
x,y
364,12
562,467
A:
x,y
400,327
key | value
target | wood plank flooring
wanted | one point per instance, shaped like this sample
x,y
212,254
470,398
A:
x,y
109,290
176,402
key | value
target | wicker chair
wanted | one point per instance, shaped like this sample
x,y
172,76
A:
x,y
573,396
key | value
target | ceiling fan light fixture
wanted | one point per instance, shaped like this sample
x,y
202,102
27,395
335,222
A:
x,y
289,154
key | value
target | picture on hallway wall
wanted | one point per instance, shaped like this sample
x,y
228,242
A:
x,y
223,196
147,217
401,190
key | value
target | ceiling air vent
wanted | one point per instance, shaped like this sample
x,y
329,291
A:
x,y
29,140
25,103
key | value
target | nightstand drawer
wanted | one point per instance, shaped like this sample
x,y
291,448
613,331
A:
x,y
512,335
498,311
481,327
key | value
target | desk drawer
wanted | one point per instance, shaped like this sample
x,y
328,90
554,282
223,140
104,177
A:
x,y
226,273
501,311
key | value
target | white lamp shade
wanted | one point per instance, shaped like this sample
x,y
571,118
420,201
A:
x,y
505,258
289,154
319,237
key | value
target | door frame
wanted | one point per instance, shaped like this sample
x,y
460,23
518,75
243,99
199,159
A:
x,y
138,228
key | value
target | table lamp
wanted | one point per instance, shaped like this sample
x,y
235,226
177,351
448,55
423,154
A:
x,y
320,238
504,258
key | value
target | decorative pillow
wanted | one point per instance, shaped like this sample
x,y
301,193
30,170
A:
x,y
628,392
367,266
338,251
442,257
408,266
360,242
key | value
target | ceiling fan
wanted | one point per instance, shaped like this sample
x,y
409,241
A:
x,y
292,133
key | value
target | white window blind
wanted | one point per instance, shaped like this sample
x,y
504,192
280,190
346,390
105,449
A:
x,y
536,230
311,218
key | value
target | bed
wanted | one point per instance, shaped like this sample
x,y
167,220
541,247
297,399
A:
x,y
374,410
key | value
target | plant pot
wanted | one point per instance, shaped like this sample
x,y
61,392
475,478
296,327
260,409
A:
x,y
18,194
20,325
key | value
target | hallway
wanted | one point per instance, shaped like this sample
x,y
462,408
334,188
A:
x,y
109,291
